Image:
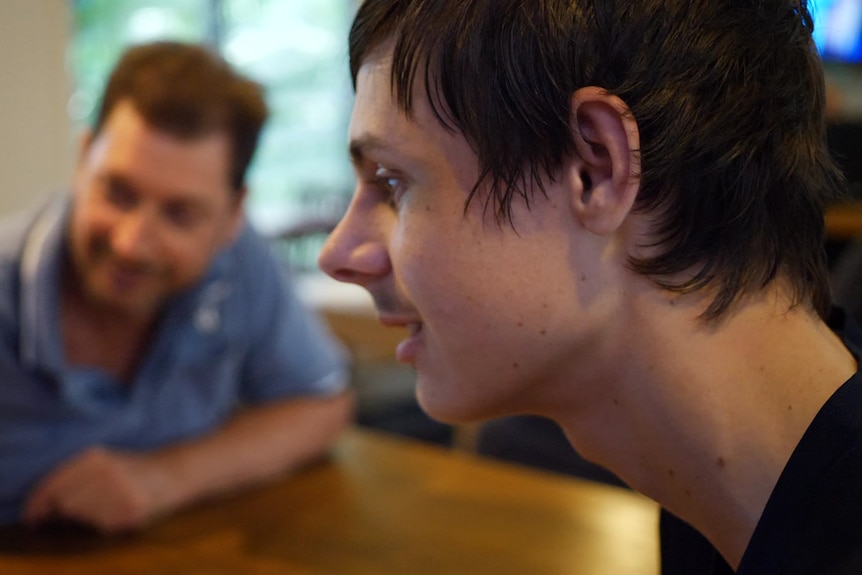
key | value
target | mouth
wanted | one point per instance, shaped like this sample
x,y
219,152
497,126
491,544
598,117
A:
x,y
411,322
125,277
407,350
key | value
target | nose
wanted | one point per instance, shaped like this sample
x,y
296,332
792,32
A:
x,y
356,251
133,235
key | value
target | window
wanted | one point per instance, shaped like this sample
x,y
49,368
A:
x,y
297,49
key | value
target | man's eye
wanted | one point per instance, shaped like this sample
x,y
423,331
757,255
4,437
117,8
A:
x,y
182,216
390,184
119,195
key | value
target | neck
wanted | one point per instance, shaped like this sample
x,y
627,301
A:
x,y
704,418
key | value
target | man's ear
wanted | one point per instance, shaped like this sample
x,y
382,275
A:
x,y
608,163
237,221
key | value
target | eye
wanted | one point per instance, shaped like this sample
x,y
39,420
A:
x,y
181,215
119,194
390,183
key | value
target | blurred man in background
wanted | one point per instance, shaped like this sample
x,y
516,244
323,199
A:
x,y
154,352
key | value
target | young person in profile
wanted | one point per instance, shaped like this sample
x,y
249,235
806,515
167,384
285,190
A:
x,y
610,213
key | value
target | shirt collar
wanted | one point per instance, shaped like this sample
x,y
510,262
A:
x,y
40,275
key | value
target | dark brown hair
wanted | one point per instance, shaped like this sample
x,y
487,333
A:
x,y
188,91
728,96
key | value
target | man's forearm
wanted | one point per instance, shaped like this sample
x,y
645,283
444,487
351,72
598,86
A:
x,y
115,490
257,444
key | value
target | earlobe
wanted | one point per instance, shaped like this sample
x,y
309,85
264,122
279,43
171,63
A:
x,y
608,163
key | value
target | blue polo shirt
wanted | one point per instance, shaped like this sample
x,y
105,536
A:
x,y
240,336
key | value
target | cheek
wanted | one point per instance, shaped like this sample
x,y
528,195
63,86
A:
x,y
438,275
477,300
185,263
187,257
94,226
477,270
87,228
506,302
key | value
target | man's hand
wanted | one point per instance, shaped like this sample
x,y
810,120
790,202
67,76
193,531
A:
x,y
109,490
116,491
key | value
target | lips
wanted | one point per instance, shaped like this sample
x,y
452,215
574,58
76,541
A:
x,y
126,277
407,350
391,319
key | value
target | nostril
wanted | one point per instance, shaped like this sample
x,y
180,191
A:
x,y
360,264
347,276
327,261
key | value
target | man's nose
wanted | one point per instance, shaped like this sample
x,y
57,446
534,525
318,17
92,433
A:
x,y
356,251
133,235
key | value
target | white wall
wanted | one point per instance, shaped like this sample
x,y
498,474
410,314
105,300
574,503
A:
x,y
37,148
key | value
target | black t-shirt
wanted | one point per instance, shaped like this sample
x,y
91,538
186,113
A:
x,y
812,523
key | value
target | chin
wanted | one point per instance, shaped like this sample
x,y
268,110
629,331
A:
x,y
451,407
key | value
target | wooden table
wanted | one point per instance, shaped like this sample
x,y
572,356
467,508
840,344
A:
x,y
381,505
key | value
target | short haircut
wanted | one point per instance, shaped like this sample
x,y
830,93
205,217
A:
x,y
728,95
188,91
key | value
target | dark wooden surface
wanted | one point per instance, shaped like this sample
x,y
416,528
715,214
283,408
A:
x,y
380,505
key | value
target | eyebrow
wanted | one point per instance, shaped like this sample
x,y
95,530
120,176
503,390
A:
x,y
189,198
360,147
115,179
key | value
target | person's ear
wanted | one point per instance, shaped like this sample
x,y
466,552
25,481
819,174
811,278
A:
x,y
607,167
237,218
